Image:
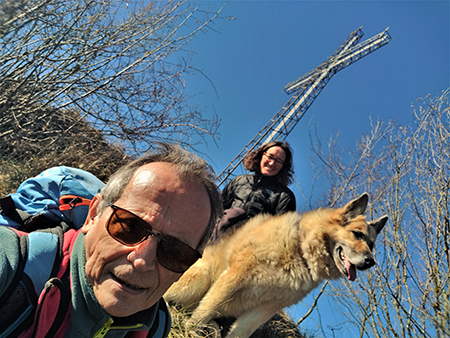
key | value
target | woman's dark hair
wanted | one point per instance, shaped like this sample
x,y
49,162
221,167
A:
x,y
253,160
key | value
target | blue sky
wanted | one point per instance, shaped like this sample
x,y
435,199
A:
x,y
259,46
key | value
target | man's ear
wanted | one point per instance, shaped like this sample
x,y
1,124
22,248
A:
x,y
92,214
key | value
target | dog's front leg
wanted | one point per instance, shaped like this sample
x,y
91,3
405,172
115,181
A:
x,y
220,293
248,322
217,295
191,287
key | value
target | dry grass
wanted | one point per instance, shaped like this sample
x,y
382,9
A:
x,y
280,326
27,152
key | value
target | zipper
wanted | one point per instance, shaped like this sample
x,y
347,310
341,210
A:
x,y
108,326
254,186
104,329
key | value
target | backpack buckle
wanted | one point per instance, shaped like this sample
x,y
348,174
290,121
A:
x,y
68,202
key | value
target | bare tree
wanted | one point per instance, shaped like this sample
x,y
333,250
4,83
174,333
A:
x,y
406,170
117,65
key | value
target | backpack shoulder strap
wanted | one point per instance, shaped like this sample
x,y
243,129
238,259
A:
x,y
43,255
55,303
39,259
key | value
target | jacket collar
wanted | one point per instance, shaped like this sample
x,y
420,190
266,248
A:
x,y
265,180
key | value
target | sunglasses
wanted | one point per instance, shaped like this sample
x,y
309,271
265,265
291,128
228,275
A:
x,y
131,230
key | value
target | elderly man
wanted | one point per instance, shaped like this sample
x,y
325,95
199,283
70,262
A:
x,y
144,229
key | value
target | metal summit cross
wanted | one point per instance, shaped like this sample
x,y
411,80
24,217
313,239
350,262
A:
x,y
306,89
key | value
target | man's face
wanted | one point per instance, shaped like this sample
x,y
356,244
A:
x,y
130,279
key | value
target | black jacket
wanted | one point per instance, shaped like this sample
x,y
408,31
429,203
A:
x,y
258,194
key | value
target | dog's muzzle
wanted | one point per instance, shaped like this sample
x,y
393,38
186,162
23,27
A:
x,y
367,263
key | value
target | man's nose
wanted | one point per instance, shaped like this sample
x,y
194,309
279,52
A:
x,y
144,255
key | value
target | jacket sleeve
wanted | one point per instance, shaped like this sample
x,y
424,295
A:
x,y
9,257
286,203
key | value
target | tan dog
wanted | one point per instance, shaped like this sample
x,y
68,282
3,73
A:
x,y
272,262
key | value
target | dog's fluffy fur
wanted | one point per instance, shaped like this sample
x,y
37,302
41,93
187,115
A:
x,y
272,262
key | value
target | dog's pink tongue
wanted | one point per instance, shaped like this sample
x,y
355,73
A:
x,y
351,270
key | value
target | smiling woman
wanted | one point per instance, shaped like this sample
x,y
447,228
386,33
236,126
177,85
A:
x,y
263,191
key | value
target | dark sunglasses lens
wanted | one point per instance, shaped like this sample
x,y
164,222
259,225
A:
x,y
131,230
126,227
175,255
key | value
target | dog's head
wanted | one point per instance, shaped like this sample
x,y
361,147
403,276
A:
x,y
355,238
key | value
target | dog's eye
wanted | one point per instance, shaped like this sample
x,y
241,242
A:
x,y
359,234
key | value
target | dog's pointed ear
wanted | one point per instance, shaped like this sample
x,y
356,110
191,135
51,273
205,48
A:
x,y
379,223
356,207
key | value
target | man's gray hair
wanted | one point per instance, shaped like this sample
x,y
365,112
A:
x,y
190,167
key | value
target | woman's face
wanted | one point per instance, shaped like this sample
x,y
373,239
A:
x,y
272,161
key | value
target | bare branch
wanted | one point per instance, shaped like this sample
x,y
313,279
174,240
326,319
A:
x,y
407,171
113,61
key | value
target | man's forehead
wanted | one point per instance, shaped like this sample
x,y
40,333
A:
x,y
144,177
162,177
173,205
156,172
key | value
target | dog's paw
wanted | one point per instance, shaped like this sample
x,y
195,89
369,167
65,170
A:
x,y
210,330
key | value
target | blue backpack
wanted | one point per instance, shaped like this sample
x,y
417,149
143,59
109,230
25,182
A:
x,y
44,208
59,194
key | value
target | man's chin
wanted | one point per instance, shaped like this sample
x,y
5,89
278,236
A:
x,y
119,307
119,300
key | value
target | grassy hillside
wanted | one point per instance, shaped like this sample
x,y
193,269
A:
x,y
32,144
